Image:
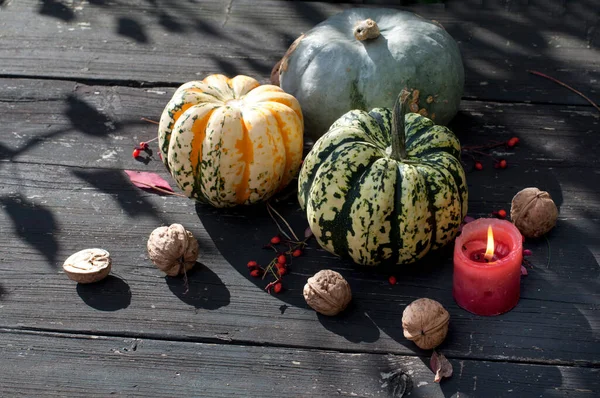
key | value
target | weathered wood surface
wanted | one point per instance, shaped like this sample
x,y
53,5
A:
x,y
155,368
139,42
75,81
64,180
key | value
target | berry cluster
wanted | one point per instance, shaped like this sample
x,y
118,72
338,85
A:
x,y
475,151
279,266
137,151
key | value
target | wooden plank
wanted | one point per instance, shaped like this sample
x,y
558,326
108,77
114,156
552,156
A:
x,y
148,42
44,364
52,211
44,117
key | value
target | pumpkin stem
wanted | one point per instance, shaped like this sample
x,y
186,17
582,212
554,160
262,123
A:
x,y
365,30
398,133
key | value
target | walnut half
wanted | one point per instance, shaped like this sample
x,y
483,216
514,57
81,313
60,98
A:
x,y
88,265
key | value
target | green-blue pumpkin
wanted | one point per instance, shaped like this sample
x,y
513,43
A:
x,y
331,71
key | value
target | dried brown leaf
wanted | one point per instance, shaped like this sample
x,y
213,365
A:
x,y
142,179
440,366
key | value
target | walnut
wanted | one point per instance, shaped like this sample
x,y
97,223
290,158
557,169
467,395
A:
x,y
327,292
425,322
173,249
88,265
533,212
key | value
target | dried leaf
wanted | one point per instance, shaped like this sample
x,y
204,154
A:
x,y
440,366
308,233
524,271
142,179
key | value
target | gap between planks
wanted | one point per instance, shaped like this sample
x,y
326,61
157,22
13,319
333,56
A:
x,y
70,334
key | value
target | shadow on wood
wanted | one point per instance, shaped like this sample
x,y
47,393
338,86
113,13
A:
x,y
204,288
112,182
110,294
34,224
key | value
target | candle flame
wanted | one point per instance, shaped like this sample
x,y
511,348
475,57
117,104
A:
x,y
489,252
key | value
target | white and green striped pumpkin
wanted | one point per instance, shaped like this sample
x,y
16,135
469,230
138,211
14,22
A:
x,y
384,186
228,142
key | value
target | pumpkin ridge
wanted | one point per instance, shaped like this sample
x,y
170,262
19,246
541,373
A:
x,y
431,197
341,243
395,236
287,168
322,155
244,147
336,165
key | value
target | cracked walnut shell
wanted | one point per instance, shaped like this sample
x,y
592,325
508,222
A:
x,y
327,292
533,212
425,322
88,265
173,249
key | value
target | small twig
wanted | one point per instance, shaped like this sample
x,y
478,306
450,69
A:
x,y
281,231
271,208
534,72
149,121
488,146
483,154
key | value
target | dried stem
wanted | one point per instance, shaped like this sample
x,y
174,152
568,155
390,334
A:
x,y
272,209
148,120
534,72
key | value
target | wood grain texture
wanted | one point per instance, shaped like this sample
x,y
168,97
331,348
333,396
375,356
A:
x,y
172,42
47,364
75,80
51,211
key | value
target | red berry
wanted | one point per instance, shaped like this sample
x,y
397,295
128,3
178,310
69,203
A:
x,y
255,273
252,264
278,287
275,240
297,253
512,142
501,213
478,166
281,259
392,280
282,269
136,152
527,252
502,164
144,145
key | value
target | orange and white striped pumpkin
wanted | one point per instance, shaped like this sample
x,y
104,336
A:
x,y
231,141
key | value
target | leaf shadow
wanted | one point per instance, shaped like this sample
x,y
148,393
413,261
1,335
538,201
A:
x,y
56,9
110,294
34,224
205,289
131,28
116,183
87,119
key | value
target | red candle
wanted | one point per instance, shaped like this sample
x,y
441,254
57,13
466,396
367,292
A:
x,y
487,285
